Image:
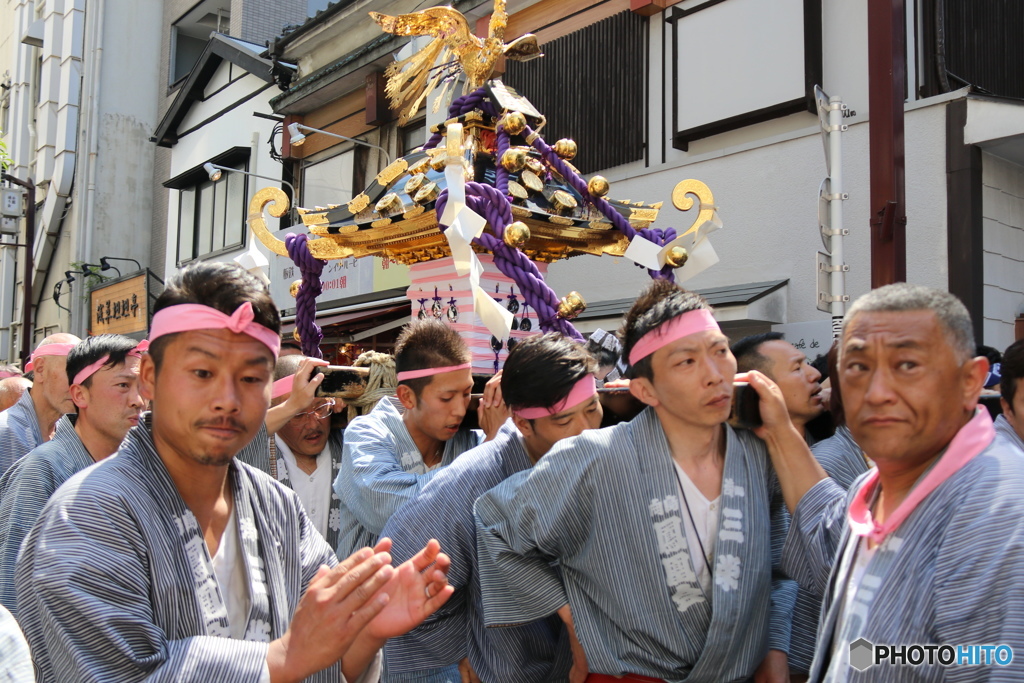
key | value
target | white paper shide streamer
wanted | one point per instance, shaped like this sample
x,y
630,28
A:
x,y
465,225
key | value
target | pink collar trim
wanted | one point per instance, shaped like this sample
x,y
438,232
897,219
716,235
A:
x,y
972,439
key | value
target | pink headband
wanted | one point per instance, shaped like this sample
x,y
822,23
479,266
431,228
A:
x,y
684,325
282,386
581,391
190,317
49,350
91,369
427,372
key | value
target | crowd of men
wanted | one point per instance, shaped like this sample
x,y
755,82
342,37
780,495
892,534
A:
x,y
181,509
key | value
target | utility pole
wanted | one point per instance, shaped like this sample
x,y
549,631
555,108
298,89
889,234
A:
x,y
887,78
30,233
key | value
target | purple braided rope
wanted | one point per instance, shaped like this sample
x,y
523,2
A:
x,y
500,172
656,235
462,105
305,300
496,209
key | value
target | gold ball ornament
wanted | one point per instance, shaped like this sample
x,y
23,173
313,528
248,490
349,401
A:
x,y
565,148
571,305
677,257
515,123
598,186
517,235
293,289
535,165
514,159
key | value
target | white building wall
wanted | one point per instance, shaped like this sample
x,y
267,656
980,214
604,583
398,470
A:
x,y
88,148
765,178
1003,242
235,128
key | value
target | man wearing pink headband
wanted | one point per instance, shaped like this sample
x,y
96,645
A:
x,y
103,372
305,453
548,383
394,450
31,420
174,561
667,530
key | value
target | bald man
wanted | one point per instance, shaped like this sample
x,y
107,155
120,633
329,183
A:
x,y
31,421
12,389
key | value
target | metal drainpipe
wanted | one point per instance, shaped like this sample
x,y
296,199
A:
x,y
84,252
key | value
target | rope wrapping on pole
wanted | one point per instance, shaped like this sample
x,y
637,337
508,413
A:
x,y
462,105
513,263
305,300
657,235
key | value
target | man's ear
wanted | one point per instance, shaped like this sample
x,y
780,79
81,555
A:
x,y
406,395
79,396
523,425
147,377
643,391
1007,408
974,373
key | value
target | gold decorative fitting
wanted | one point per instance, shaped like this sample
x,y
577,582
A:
x,y
420,166
517,234
515,123
561,220
453,140
389,204
600,225
513,159
562,200
413,212
643,214
518,212
532,181
517,191
532,137
293,289
295,335
684,203
677,257
571,305
535,165
310,219
565,148
392,172
382,223
427,193
359,203
415,183
438,163
598,186
301,211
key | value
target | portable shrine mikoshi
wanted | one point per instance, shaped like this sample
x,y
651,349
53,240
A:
x,y
484,206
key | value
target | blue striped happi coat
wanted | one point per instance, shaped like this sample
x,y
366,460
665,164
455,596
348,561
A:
x,y
606,506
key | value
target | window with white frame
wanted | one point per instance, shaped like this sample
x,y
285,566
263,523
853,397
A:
x,y
211,215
